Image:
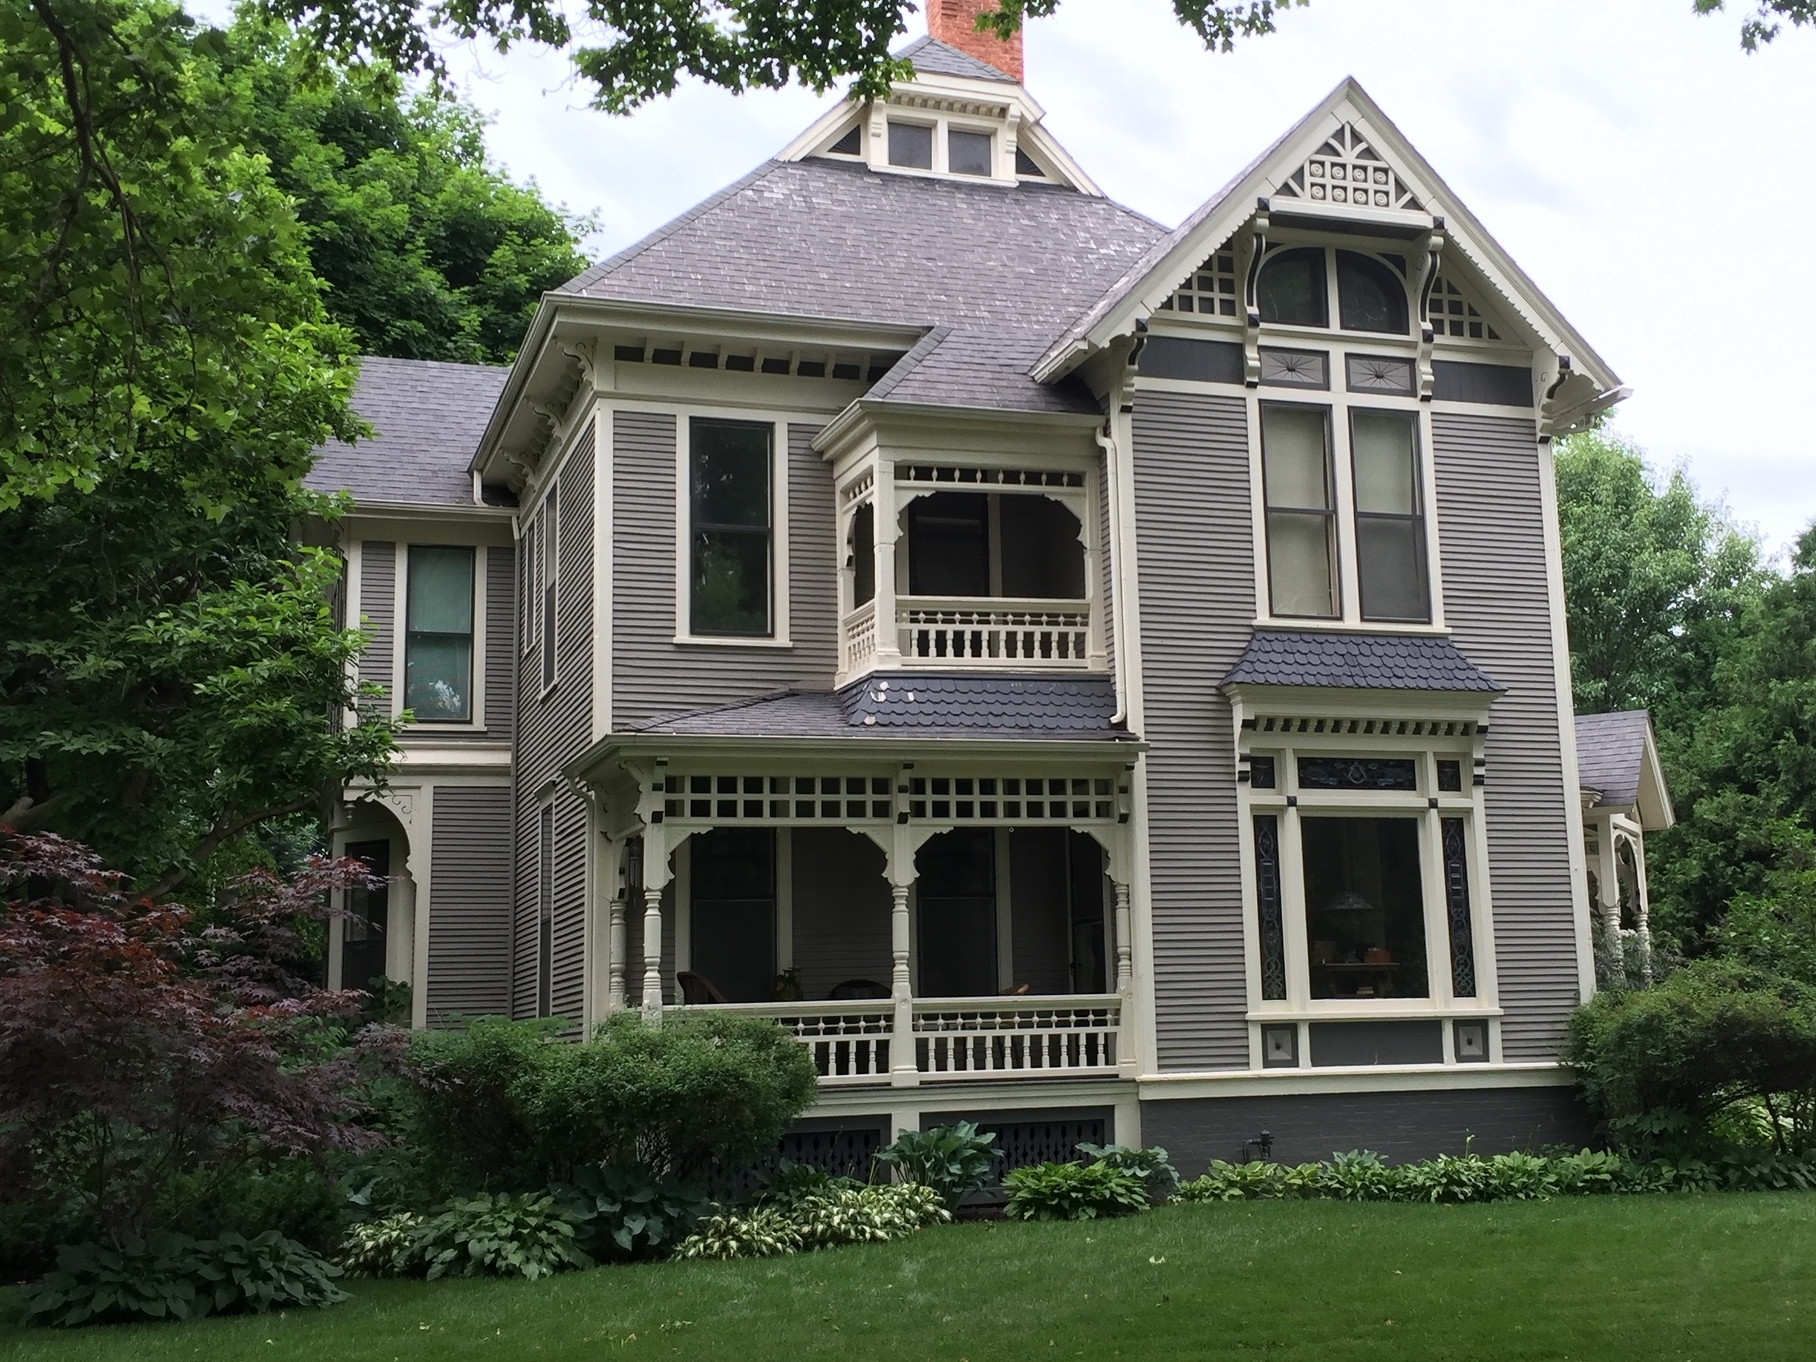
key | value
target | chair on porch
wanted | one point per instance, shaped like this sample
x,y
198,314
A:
x,y
853,990
697,989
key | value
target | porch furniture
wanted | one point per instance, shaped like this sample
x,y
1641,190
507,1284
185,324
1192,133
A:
x,y
697,989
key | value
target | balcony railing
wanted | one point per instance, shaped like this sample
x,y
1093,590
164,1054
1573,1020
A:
x,y
956,1039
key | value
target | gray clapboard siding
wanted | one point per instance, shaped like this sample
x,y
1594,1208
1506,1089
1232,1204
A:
x,y
552,729
500,640
841,910
653,675
1496,600
470,902
1196,562
378,612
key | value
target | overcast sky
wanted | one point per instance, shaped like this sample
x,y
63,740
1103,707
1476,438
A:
x,y
1658,183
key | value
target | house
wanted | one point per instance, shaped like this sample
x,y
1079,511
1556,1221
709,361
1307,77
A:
x,y
1105,681
1624,796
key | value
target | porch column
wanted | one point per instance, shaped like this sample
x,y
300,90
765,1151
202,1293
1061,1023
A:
x,y
899,844
1608,886
1125,956
616,946
652,955
1642,907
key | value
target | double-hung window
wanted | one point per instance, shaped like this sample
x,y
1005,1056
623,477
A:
x,y
1344,519
731,527
549,546
438,637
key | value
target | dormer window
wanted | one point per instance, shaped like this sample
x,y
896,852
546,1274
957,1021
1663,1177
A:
x,y
1294,290
968,153
911,146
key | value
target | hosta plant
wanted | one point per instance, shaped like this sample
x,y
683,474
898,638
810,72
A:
x,y
1070,1191
953,1160
626,1213
1151,1165
390,1247
1236,1182
501,1236
762,1233
856,1215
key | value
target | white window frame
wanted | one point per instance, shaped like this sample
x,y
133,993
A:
x,y
1002,156
1288,803
779,552
476,722
548,589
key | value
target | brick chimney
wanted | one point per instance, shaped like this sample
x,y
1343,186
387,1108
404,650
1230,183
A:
x,y
954,22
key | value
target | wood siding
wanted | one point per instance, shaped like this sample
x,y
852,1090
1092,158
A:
x,y
470,903
1196,561
552,730
651,673
500,640
1497,602
378,612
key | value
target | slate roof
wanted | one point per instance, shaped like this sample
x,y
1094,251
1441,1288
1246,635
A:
x,y
942,59
429,416
1004,270
1066,708
1609,750
1276,657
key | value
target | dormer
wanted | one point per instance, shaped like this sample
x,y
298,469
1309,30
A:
x,y
959,118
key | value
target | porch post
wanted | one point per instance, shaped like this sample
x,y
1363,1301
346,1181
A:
x,y
1642,907
1125,958
616,946
655,876
904,1069
1607,880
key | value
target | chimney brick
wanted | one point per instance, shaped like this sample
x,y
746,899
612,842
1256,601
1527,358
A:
x,y
954,22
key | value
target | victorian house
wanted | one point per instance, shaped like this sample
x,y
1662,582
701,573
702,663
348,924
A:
x,y
1103,680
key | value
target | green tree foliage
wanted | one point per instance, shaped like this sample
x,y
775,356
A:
x,y
426,250
651,45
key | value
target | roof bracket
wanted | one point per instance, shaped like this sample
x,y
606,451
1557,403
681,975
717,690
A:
x,y
1251,307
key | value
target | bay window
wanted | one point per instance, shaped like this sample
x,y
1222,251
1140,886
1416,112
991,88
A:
x,y
438,635
731,528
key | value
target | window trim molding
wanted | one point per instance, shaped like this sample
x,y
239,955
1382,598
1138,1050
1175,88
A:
x,y
780,556
1431,806
548,589
476,710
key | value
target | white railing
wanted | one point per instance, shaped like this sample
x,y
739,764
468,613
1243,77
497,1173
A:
x,y
1016,1037
954,1038
859,636
994,632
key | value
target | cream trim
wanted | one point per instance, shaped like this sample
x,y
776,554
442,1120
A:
x,y
1156,1087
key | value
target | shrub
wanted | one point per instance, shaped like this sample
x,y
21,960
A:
x,y
507,1106
857,1215
1665,1065
501,1236
1071,1191
1236,1182
1358,1175
1151,1165
172,1276
384,1248
953,1160
625,1213
762,1233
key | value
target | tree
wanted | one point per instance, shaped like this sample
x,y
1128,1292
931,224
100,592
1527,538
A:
x,y
426,251
649,45
1655,582
170,666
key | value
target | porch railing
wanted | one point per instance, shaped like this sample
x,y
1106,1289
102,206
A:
x,y
997,633
956,1039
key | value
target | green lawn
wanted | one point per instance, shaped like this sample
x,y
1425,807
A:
x,y
1657,1278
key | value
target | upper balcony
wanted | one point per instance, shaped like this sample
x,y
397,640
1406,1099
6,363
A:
x,y
956,566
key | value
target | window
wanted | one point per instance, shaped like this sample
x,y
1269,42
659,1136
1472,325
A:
x,y
549,542
1370,295
729,478
438,641
911,146
732,911
1364,907
863,554
968,153
1390,524
545,912
1291,290
989,544
1301,510
367,920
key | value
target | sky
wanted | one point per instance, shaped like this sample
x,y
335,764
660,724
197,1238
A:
x,y
1657,182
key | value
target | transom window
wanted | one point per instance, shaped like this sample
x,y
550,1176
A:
x,y
1295,288
438,639
731,527
1315,542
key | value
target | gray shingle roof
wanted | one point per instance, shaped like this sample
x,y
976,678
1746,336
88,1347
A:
x,y
1277,657
429,416
930,54
1609,750
1005,269
1064,708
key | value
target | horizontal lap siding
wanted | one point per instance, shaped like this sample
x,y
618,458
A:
x,y
553,730
841,910
378,612
470,903
1497,603
651,674
1197,580
500,640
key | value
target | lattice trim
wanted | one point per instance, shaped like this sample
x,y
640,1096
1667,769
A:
x,y
1347,170
740,799
989,477
1455,314
963,799
855,799
1211,290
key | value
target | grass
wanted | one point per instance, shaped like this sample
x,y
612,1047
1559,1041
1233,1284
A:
x,y
1656,1277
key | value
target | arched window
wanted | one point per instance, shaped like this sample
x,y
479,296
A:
x,y
1291,288
1370,295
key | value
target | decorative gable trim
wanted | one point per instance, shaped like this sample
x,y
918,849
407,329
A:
x,y
1345,169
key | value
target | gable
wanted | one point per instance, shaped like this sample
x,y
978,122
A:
x,y
1345,169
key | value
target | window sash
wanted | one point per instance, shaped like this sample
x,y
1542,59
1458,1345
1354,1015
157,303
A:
x,y
551,575
731,564
1301,518
1392,576
438,662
